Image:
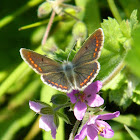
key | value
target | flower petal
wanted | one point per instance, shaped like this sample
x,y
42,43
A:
x,y
72,96
35,106
93,88
109,116
92,133
92,120
46,122
82,133
107,131
79,110
95,101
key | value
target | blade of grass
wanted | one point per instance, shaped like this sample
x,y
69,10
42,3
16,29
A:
x,y
6,20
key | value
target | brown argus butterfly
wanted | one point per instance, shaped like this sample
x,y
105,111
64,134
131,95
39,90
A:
x,y
67,76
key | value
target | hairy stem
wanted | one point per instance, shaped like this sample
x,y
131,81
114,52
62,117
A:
x,y
72,134
48,28
114,73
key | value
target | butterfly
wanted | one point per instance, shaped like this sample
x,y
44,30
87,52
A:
x,y
68,76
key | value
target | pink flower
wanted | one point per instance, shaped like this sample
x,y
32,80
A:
x,y
46,122
87,97
96,126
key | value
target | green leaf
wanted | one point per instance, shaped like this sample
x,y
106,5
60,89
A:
x,y
133,57
133,19
134,137
59,99
136,95
120,96
56,120
129,120
115,83
113,35
64,117
125,28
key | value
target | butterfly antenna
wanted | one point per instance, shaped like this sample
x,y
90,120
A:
x,y
71,51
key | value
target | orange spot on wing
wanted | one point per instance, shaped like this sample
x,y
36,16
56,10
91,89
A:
x,y
96,49
94,54
52,83
36,65
56,84
60,86
65,87
97,44
32,61
40,69
88,77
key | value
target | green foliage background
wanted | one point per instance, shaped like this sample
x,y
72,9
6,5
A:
x,y
19,84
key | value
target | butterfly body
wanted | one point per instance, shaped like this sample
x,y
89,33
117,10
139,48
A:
x,y
75,75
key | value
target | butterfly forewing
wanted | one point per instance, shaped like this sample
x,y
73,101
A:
x,y
91,48
86,73
39,63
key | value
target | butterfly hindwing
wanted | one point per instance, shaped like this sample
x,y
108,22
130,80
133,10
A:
x,y
57,80
86,73
39,63
91,49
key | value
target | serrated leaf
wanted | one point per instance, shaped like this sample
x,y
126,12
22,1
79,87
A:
x,y
133,57
113,35
136,97
64,117
133,19
120,96
125,28
63,55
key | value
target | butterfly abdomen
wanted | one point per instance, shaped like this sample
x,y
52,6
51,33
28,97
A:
x,y
68,70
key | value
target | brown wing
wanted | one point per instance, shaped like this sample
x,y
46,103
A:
x,y
85,74
91,49
39,63
58,81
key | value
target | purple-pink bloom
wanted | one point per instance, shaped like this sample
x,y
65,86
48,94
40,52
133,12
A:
x,y
46,122
87,97
96,125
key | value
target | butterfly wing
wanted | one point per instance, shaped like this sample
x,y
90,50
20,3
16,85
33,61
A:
x,y
57,80
91,49
51,72
86,66
39,63
86,73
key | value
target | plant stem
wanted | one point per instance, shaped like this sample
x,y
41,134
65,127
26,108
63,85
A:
x,y
36,24
114,73
72,134
48,28
114,10
6,20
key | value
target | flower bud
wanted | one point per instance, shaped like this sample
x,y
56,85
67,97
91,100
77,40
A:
x,y
59,99
79,31
47,110
44,9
